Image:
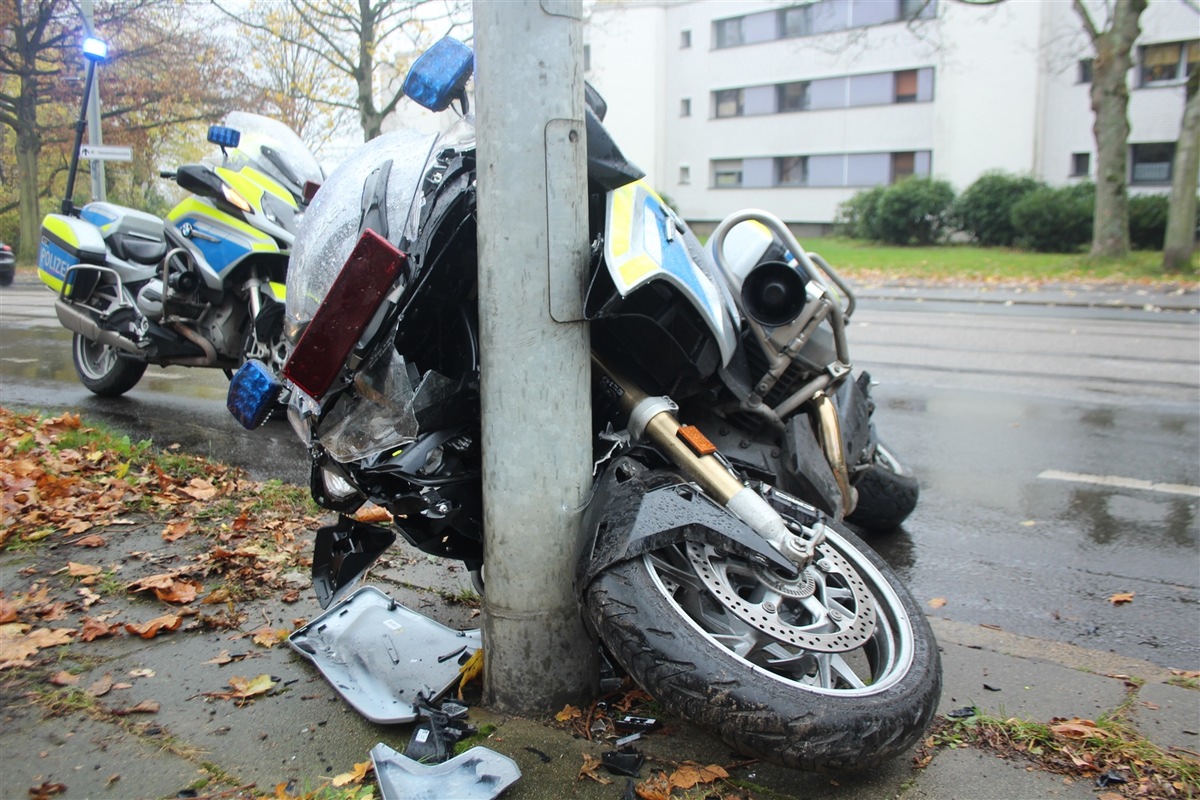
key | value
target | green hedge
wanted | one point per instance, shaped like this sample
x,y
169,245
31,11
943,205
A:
x,y
984,210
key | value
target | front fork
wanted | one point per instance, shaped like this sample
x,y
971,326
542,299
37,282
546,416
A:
x,y
691,451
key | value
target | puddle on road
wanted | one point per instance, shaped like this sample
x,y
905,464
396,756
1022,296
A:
x,y
44,354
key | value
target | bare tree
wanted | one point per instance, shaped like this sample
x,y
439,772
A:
x,y
368,42
1180,241
1112,60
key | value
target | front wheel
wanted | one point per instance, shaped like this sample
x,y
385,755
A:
x,y
887,494
102,370
836,669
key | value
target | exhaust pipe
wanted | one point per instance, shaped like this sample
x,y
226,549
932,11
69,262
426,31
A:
x,y
81,322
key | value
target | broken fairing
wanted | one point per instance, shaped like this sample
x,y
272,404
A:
x,y
383,658
478,774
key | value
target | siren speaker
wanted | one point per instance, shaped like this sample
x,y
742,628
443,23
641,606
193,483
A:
x,y
773,293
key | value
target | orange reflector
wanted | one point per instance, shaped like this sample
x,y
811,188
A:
x,y
696,440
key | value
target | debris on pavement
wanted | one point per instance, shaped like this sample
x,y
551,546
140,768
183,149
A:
x,y
477,774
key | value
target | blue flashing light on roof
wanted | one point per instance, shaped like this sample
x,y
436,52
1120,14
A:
x,y
440,74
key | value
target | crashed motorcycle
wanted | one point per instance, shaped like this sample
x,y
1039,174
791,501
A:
x,y
202,288
731,438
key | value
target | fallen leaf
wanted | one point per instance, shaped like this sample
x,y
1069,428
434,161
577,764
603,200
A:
x,y
181,591
269,637
692,773
656,788
937,602
356,776
1079,729
144,707
590,768
569,712
46,790
101,687
148,630
373,514
64,678
199,489
90,598
221,595
93,629
176,530
1121,597
82,570
245,688
95,540
18,642
141,673
470,671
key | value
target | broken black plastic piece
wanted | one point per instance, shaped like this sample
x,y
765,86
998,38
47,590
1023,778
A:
x,y
1110,778
342,552
966,712
438,730
627,761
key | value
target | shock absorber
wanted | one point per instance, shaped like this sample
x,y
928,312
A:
x,y
690,450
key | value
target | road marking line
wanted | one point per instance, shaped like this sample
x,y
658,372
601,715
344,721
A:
x,y
1121,483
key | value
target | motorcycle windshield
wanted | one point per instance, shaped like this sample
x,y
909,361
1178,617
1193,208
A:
x,y
334,219
276,150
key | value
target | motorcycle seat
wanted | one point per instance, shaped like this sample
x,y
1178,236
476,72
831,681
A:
x,y
137,248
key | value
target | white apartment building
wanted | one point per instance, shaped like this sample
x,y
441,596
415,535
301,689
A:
x,y
794,107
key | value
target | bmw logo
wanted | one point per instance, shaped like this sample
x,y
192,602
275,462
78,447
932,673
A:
x,y
186,230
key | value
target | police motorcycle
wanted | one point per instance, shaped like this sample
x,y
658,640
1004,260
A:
x,y
202,288
714,566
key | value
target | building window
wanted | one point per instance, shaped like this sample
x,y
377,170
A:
x,y
793,22
1168,63
685,174
727,174
727,32
1081,164
791,96
904,165
587,58
728,103
906,86
685,40
1151,162
1085,70
685,107
791,171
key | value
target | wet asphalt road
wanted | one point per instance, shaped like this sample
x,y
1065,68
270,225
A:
x,y
1058,451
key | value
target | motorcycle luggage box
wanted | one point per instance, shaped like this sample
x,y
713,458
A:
x,y
67,242
131,234
382,657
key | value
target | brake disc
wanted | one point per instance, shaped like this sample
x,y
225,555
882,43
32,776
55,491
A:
x,y
790,620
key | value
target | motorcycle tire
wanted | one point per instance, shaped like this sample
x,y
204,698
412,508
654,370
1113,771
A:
x,y
101,370
669,619
887,494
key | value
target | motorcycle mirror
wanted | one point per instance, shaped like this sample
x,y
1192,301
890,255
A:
x,y
440,75
223,137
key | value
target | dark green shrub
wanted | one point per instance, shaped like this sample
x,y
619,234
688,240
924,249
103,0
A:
x,y
1148,221
915,210
857,217
984,210
1055,220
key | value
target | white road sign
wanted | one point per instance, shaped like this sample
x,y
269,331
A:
x,y
106,152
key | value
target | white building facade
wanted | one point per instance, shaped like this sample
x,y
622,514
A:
x,y
795,107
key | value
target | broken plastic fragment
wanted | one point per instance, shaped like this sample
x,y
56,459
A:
x,y
478,774
966,712
627,761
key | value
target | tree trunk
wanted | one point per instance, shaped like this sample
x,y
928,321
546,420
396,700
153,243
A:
x,y
1180,240
29,145
1110,103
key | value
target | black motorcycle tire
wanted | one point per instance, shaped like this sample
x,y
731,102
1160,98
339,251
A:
x,y
760,715
887,494
101,370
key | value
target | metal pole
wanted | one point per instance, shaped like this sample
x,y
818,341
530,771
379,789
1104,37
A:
x,y
68,203
536,377
95,136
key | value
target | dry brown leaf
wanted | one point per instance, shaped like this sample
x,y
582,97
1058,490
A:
x,y
937,602
181,591
82,570
568,713
8,612
46,790
590,768
199,489
244,687
1121,598
373,514
18,642
269,637
355,776
64,678
1079,729
95,540
90,598
101,687
148,630
176,530
691,774
93,629
656,788
144,707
